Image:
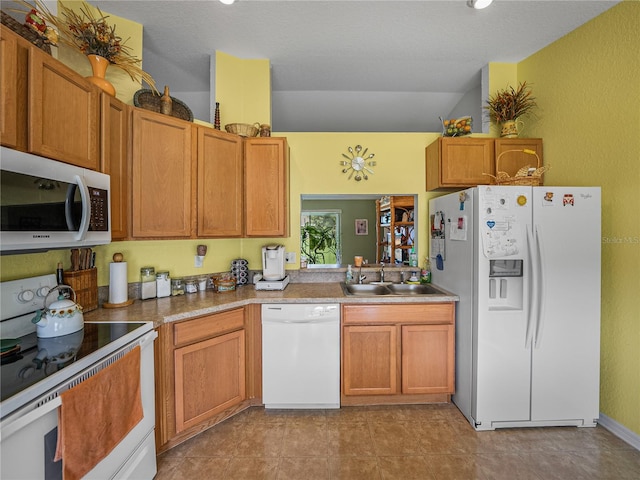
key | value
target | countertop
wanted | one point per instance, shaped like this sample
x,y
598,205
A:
x,y
182,307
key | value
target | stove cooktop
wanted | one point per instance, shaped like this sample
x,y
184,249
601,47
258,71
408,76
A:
x,y
40,358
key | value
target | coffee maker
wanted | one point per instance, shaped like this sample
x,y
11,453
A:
x,y
273,275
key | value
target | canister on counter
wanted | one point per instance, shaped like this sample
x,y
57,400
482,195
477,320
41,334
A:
x,y
163,284
177,286
147,283
191,285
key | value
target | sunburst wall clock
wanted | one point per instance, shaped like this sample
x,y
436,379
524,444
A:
x,y
358,164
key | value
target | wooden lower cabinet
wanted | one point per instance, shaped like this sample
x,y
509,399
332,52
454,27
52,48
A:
x,y
428,359
369,359
398,351
209,378
201,378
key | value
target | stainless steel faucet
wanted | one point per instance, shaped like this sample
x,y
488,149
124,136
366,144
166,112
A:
x,y
360,276
401,276
381,272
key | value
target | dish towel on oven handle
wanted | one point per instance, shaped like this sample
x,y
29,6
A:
x,y
97,414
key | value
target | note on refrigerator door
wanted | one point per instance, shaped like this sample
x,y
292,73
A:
x,y
458,228
501,237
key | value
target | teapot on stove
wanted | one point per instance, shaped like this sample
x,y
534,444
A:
x,y
61,317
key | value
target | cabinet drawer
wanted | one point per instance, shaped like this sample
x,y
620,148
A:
x,y
207,326
424,313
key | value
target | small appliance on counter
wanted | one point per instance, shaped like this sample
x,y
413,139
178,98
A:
x,y
273,275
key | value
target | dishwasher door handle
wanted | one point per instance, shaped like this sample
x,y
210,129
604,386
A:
x,y
302,321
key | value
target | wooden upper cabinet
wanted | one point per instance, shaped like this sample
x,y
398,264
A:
x,y
266,187
64,111
454,163
514,158
14,55
162,171
459,162
114,149
220,184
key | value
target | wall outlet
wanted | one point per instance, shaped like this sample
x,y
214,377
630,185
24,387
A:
x,y
290,257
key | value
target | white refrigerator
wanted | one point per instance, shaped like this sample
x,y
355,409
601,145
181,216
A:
x,y
525,262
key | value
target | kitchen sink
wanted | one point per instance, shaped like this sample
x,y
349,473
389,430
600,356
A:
x,y
367,289
411,289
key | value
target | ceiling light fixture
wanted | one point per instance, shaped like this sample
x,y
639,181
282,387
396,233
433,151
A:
x,y
227,2
477,4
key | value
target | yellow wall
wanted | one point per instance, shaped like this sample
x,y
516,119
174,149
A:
x,y
588,90
243,88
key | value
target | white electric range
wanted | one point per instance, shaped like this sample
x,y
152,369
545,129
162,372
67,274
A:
x,y
35,371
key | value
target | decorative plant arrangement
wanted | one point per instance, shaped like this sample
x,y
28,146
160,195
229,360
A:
x,y
91,34
506,107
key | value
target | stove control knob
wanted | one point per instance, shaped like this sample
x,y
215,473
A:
x,y
25,296
43,291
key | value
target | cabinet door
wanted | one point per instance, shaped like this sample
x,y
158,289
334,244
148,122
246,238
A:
x,y
514,158
162,175
64,111
459,162
219,184
266,180
13,90
114,161
209,378
369,360
427,359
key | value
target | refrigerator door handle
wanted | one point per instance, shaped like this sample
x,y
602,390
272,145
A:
x,y
539,287
531,289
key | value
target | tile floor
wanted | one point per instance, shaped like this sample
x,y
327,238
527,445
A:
x,y
430,442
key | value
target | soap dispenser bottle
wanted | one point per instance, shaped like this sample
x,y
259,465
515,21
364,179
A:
x,y
349,277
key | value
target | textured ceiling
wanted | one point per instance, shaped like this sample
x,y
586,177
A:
x,y
350,65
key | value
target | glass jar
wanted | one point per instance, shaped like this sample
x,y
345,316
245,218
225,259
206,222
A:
x,y
177,286
147,283
163,284
191,285
202,283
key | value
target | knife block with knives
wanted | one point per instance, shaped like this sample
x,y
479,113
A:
x,y
83,278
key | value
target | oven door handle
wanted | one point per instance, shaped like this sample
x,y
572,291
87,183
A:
x,y
12,427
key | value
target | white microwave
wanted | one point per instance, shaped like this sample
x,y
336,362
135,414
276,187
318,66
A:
x,y
48,205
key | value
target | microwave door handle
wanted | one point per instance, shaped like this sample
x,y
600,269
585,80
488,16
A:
x,y
86,207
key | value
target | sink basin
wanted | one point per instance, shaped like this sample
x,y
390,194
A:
x,y
410,289
370,289
366,289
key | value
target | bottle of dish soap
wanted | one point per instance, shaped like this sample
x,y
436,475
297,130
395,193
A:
x,y
349,277
413,258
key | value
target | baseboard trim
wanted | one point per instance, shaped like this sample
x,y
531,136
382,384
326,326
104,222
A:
x,y
620,431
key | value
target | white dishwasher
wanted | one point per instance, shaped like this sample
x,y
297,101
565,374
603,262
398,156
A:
x,y
301,355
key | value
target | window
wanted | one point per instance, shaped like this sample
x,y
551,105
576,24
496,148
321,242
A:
x,y
320,237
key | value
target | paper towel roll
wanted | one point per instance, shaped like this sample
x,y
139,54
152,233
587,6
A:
x,y
117,282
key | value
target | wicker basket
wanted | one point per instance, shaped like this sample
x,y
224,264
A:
x,y
85,284
243,129
527,175
149,100
26,32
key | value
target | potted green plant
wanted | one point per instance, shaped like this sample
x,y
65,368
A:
x,y
506,106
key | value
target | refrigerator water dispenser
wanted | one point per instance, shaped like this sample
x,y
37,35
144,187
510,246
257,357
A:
x,y
505,285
